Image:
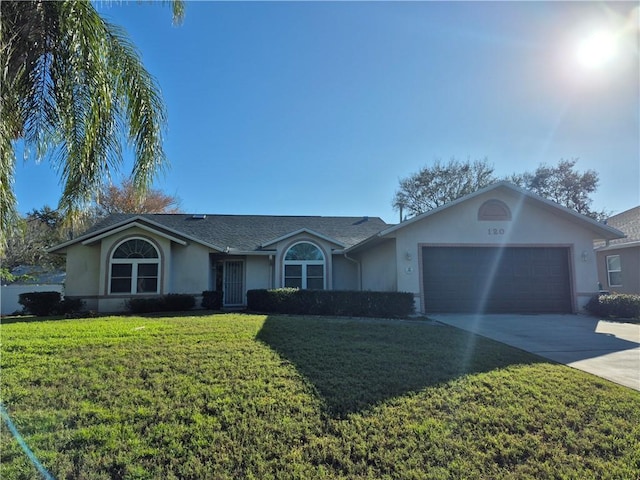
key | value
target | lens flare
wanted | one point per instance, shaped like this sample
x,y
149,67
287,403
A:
x,y
596,50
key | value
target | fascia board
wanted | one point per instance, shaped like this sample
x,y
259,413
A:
x,y
85,237
374,239
139,225
138,221
260,253
609,233
303,230
618,246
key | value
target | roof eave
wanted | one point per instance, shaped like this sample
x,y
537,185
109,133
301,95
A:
x,y
138,221
307,231
127,226
607,232
618,246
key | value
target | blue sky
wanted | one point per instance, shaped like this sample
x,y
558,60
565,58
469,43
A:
x,y
318,108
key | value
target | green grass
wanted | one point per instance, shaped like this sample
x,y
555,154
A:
x,y
248,396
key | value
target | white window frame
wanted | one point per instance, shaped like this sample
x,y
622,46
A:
x,y
134,262
610,270
304,264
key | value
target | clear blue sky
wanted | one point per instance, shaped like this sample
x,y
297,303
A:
x,y
318,108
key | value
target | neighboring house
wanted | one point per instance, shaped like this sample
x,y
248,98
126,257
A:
x,y
619,259
31,279
500,249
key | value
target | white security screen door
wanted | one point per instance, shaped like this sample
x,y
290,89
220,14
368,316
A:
x,y
233,283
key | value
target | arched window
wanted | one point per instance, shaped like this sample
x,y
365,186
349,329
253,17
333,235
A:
x,y
494,210
304,267
134,268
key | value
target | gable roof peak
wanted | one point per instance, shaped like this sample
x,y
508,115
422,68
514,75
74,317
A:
x,y
607,232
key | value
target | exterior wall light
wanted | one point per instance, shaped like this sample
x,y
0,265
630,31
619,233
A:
x,y
408,256
584,256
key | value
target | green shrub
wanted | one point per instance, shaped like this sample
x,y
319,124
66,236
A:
x,y
43,304
40,303
69,306
617,305
144,305
178,302
172,302
212,299
331,302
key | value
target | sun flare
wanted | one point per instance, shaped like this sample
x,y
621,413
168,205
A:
x,y
596,50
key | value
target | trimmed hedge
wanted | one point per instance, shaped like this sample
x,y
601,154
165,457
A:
x,y
42,304
212,299
70,306
617,305
172,302
178,302
331,302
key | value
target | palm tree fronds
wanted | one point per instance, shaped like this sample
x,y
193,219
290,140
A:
x,y
74,87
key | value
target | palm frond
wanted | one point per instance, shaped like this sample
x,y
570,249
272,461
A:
x,y
74,87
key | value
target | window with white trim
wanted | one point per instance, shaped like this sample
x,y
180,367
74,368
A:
x,y
304,267
614,271
134,268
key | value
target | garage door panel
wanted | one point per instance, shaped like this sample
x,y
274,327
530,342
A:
x,y
490,279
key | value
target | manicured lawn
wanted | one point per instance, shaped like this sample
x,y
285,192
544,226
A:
x,y
249,396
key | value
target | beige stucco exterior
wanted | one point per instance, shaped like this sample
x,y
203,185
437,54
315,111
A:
x,y
390,260
258,272
533,223
83,279
379,267
186,267
345,273
340,274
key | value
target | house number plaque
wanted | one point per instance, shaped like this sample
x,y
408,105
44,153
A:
x,y
495,231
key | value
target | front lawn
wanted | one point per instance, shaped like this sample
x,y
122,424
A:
x,y
252,396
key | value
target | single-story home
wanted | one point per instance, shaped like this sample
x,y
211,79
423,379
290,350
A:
x,y
499,249
619,259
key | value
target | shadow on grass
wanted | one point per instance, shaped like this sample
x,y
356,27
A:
x,y
354,364
82,316
27,319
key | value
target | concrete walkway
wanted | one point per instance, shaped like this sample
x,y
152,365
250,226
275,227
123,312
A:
x,y
609,350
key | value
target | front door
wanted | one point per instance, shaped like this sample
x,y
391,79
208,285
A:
x,y
233,283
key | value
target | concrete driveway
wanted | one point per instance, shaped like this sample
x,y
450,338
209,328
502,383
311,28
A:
x,y
609,350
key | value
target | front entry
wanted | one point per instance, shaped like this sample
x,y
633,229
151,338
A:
x,y
229,277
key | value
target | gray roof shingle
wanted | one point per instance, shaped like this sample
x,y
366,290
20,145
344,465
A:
x,y
627,222
249,232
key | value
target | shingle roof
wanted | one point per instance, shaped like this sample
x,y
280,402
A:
x,y
249,232
627,222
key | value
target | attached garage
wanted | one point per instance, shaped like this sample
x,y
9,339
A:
x,y
500,249
496,279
